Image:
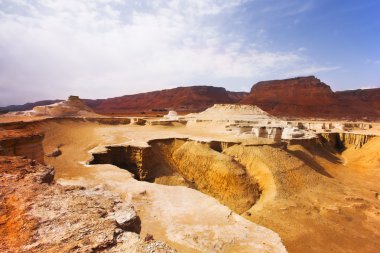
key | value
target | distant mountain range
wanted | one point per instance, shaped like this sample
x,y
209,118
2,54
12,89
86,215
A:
x,y
27,106
301,97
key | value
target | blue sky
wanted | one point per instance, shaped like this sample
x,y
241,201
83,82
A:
x,y
106,48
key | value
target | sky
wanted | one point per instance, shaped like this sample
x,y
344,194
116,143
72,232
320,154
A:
x,y
107,48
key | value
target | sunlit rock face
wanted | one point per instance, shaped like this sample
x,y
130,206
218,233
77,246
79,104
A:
x,y
310,98
298,91
185,99
22,142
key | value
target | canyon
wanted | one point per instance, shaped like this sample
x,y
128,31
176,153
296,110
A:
x,y
268,171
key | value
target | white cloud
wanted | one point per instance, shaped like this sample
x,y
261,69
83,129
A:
x,y
105,48
371,61
369,87
311,70
287,8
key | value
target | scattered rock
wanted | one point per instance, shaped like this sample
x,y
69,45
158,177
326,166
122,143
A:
x,y
148,237
55,153
37,217
46,176
127,218
153,246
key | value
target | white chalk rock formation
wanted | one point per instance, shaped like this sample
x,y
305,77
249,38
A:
x,y
172,115
74,106
290,132
232,112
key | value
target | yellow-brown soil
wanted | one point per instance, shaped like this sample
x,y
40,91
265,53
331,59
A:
x,y
316,199
315,203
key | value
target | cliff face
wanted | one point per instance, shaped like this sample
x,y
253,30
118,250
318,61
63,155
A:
x,y
297,91
185,162
310,98
22,143
365,102
341,141
363,98
195,98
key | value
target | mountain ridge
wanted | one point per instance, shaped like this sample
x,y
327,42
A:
x,y
299,97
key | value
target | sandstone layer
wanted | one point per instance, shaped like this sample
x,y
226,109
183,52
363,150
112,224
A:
x,y
299,97
193,98
39,215
190,163
308,97
22,142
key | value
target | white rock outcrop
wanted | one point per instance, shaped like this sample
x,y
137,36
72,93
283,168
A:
x,y
74,106
172,115
230,112
290,132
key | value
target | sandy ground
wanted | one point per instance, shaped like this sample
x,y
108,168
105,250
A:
x,y
13,118
185,218
333,209
316,200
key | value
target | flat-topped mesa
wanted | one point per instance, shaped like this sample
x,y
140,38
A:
x,y
75,101
308,97
297,91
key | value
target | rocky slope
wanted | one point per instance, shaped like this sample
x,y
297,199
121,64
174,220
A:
x,y
308,97
22,142
231,112
301,97
358,104
194,98
74,106
38,215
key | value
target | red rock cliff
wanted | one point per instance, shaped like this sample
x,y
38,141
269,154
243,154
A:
x,y
295,91
308,97
195,98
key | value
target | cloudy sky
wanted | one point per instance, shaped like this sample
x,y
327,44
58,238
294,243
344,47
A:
x,y
105,48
